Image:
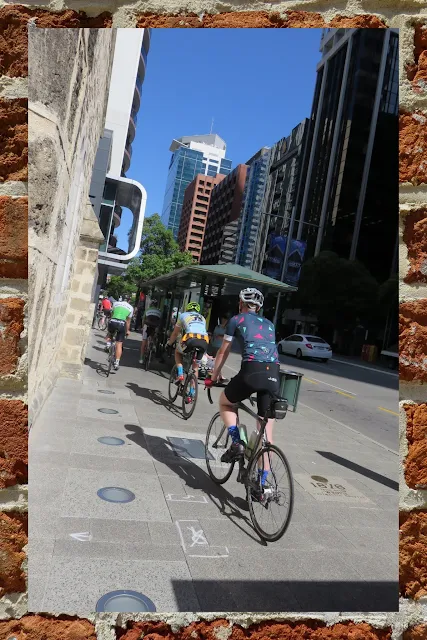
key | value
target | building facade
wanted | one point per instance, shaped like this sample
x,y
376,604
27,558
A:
x,y
253,197
225,208
191,155
282,191
350,192
194,214
111,190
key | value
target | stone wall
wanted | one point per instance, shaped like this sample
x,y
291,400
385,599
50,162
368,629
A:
x,y
68,89
410,623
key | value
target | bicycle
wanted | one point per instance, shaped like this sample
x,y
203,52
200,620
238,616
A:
x,y
260,454
100,320
111,355
183,388
150,349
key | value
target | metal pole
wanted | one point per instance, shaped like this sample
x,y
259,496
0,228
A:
x,y
285,259
313,148
334,146
370,147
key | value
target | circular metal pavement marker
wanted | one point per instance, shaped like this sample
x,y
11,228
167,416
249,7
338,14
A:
x,y
319,479
115,494
109,411
105,391
111,440
124,602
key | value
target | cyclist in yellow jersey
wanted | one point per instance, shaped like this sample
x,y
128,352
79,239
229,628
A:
x,y
190,333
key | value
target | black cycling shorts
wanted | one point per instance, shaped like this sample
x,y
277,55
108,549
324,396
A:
x,y
261,378
195,343
118,327
107,313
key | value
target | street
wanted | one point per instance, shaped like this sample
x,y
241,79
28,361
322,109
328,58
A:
x,y
188,544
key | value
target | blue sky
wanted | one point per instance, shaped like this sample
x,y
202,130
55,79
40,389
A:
x,y
257,84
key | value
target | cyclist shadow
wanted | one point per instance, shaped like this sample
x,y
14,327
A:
x,y
194,477
101,369
155,396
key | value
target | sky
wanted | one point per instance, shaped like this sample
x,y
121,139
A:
x,y
257,85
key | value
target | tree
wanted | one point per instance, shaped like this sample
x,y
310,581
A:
x,y
339,292
119,286
160,254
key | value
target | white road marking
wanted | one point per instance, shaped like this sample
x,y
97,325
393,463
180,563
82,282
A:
x,y
82,537
173,497
198,538
361,366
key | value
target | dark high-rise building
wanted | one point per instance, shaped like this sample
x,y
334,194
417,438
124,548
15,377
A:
x,y
350,200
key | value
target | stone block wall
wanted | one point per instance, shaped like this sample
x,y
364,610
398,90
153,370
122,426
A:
x,y
410,623
68,90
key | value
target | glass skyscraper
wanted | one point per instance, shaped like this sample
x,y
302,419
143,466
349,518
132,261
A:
x,y
192,155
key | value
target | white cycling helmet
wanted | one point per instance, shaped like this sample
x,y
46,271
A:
x,y
252,296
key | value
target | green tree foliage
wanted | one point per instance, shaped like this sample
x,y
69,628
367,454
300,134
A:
x,y
119,286
337,291
160,254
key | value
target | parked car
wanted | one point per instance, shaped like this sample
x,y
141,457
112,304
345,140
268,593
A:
x,y
304,346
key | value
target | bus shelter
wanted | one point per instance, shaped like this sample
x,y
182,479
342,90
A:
x,y
212,286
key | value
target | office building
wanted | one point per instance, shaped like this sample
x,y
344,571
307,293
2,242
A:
x,y
285,172
194,213
225,207
350,200
110,189
191,155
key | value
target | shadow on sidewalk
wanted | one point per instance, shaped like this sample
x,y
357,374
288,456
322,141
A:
x,y
155,396
364,471
195,478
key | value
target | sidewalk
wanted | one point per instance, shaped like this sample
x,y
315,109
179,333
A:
x,y
182,541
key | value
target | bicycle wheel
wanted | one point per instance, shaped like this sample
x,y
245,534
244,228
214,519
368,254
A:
x,y
173,388
101,324
189,399
217,442
147,359
271,508
110,361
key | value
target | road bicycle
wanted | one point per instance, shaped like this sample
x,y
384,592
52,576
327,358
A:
x,y
188,389
111,355
271,504
150,350
101,320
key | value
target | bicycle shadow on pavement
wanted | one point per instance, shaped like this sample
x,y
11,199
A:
x,y
194,477
155,396
99,367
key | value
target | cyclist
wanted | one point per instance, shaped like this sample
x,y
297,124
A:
x,y
259,370
107,308
121,316
150,324
189,333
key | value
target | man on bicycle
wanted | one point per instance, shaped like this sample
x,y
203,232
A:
x,y
150,324
190,330
107,307
119,324
259,370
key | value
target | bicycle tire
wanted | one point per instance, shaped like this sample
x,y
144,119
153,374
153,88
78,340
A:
x,y
147,358
110,361
101,326
172,386
253,468
187,385
210,468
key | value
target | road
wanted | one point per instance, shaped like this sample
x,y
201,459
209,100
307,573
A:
x,y
186,543
363,399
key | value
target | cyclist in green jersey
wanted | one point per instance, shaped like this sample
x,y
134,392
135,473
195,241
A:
x,y
119,324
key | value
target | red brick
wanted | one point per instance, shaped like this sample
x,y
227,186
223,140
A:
x,y
14,139
13,237
419,632
13,538
413,148
307,630
413,554
417,71
256,20
416,431
413,341
11,327
35,627
415,238
13,27
13,443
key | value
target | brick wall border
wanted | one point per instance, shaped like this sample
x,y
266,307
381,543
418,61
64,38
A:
x,y
411,17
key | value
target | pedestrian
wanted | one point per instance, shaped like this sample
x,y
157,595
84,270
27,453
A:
x,y
218,335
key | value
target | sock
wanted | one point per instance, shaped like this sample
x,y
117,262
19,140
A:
x,y
117,362
180,370
262,475
235,435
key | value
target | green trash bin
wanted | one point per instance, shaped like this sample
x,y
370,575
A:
x,y
290,383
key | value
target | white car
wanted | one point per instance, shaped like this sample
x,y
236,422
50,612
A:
x,y
304,346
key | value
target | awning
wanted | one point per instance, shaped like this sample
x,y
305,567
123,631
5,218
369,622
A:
x,y
229,278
